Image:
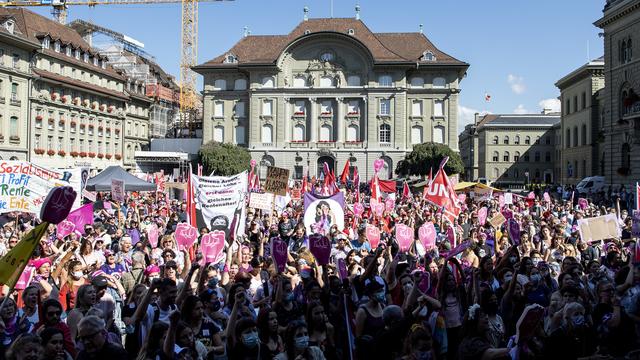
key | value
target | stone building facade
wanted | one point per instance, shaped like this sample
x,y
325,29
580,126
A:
x,y
511,150
621,116
580,122
329,91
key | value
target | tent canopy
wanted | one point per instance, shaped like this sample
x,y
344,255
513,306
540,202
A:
x,y
102,181
465,185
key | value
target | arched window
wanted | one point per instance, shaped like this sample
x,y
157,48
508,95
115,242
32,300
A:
x,y
495,140
496,156
326,81
220,84
266,161
268,82
240,84
218,134
385,81
516,156
416,135
417,82
626,156
267,134
240,135
438,134
353,80
298,133
584,134
527,140
506,140
384,133
325,133
506,156
299,81
439,83
352,133
517,140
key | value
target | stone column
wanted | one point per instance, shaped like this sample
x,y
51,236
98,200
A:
x,y
313,123
287,120
340,128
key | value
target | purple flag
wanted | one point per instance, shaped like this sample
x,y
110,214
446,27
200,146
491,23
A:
x,y
81,216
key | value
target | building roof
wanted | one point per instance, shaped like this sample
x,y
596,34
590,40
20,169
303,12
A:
x,y
35,26
519,120
384,47
581,72
80,84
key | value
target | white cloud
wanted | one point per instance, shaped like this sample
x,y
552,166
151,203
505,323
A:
x,y
467,116
517,84
520,110
553,104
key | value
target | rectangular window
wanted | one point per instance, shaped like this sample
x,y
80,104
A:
x,y
81,145
353,108
37,142
60,143
14,130
516,158
385,107
297,172
416,108
575,104
299,107
584,100
438,108
385,81
326,107
49,142
567,106
14,91
240,109
218,109
16,61
385,133
267,107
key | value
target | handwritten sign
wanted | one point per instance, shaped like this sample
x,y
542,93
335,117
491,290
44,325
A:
x,y
373,235
91,196
599,228
212,246
296,194
277,181
186,235
279,253
497,221
263,201
404,236
508,198
427,235
117,190
320,247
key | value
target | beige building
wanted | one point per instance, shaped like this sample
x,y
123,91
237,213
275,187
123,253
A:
x,y
510,150
329,91
468,141
579,121
16,52
621,111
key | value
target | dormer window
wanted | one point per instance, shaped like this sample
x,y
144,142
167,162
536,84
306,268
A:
x,y
428,56
230,59
104,64
46,43
77,54
85,57
10,26
56,46
95,61
68,50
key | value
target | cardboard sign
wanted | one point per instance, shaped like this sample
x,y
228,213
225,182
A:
x,y
91,196
296,194
186,235
497,221
279,253
404,237
514,231
117,190
212,246
373,235
262,201
508,198
427,235
277,181
599,228
482,194
320,247
153,234
482,216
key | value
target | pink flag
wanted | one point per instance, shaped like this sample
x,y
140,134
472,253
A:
x,y
404,236
81,216
427,235
64,228
153,233
213,247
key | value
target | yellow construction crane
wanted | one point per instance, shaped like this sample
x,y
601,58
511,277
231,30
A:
x,y
189,56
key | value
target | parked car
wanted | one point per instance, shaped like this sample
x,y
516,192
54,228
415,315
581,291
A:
x,y
591,184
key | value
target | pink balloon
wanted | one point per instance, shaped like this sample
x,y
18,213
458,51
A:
x,y
427,235
404,236
378,164
373,235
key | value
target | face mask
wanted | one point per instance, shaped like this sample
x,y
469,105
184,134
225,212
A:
x,y
577,320
216,305
77,274
151,278
213,282
250,340
302,342
512,259
379,297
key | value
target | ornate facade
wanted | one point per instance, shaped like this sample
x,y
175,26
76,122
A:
x,y
329,91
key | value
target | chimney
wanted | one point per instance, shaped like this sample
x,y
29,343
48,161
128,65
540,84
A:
x,y
421,28
246,31
546,111
306,13
476,117
357,11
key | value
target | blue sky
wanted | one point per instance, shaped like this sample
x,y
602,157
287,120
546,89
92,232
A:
x,y
517,49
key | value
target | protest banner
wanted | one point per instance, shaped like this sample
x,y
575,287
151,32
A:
x,y
599,228
373,235
427,235
277,181
404,237
482,194
635,225
262,201
117,190
212,247
320,247
508,198
186,236
322,212
91,196
220,201
497,221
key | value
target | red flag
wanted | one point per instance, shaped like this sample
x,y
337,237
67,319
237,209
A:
x,y
405,190
304,183
375,188
345,172
440,192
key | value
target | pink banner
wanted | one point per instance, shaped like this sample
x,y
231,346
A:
x,y
373,235
482,216
404,237
186,235
279,253
377,208
212,246
64,228
81,216
427,235
25,278
320,247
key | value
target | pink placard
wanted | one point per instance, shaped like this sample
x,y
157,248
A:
x,y
186,235
378,164
279,253
546,197
462,198
358,209
212,246
583,203
153,233
501,201
320,247
389,204
427,235
376,207
482,215
531,196
404,237
373,235
64,228
25,278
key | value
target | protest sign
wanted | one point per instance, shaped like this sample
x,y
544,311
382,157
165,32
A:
x,y
404,237
117,190
373,235
497,221
296,194
186,235
153,233
277,181
389,204
508,198
427,235
262,201
91,196
599,228
513,227
221,202
358,209
482,194
482,216
279,253
212,247
583,203
546,197
322,212
320,247
13,263
377,208
64,228
635,225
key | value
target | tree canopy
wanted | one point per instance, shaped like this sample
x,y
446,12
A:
x,y
224,159
428,156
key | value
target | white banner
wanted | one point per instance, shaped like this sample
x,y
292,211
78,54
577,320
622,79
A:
x,y
222,201
262,201
117,190
78,181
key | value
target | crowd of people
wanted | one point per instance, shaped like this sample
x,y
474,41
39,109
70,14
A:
x,y
105,292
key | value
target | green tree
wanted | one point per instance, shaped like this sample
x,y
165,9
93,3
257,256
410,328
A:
x,y
428,156
224,159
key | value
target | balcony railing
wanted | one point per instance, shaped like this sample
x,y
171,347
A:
x,y
299,144
353,144
326,144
